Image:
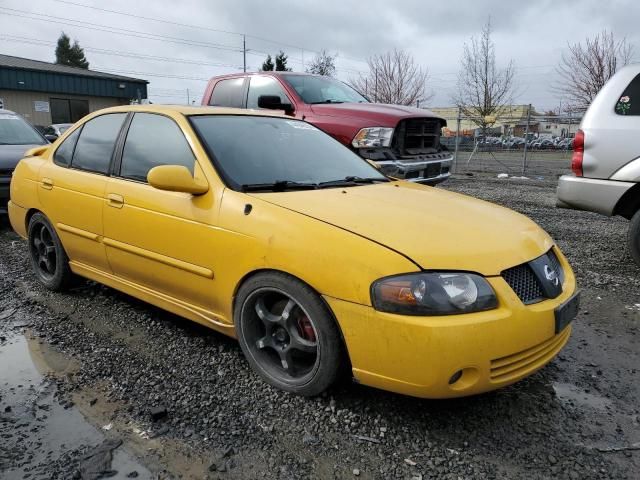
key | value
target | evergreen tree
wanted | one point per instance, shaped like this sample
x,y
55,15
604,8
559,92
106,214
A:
x,y
268,65
281,62
71,55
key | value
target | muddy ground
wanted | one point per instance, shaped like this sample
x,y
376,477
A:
x,y
92,365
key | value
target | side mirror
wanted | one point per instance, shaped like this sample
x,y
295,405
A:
x,y
273,102
176,178
51,137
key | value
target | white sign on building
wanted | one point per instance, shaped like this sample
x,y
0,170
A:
x,y
40,106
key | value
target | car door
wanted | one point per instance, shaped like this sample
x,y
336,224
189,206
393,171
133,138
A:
x,y
160,240
72,188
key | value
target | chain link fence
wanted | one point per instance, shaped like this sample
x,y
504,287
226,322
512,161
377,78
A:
x,y
523,143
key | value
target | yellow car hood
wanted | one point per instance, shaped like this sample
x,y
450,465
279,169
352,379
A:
x,y
434,228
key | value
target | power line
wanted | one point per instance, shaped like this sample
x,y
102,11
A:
x,y
117,30
201,27
119,53
132,33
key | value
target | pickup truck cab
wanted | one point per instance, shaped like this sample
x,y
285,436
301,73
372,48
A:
x,y
403,141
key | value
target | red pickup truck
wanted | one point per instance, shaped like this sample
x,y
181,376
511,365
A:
x,y
403,141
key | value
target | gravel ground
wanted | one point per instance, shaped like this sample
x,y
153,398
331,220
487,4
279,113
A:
x,y
223,422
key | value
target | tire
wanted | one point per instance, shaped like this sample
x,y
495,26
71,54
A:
x,y
288,334
634,237
48,258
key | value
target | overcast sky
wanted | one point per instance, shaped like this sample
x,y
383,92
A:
x,y
434,32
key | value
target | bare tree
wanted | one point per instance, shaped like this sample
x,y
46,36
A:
x,y
585,69
484,91
323,64
394,78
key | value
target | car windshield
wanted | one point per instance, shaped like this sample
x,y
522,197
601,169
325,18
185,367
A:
x,y
314,90
15,131
254,151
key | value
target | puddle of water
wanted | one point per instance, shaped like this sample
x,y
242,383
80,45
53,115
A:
x,y
37,429
569,393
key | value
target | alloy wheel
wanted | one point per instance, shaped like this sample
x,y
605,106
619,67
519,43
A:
x,y
280,335
43,250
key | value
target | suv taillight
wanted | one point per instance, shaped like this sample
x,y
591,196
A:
x,y
578,153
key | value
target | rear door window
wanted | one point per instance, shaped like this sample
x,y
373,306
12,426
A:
x,y
228,93
262,85
97,140
629,101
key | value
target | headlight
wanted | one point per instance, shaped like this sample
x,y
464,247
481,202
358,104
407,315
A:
x,y
373,137
433,293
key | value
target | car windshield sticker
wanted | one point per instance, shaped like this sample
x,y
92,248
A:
x,y
301,125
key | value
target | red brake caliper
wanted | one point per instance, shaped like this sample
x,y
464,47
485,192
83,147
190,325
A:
x,y
306,329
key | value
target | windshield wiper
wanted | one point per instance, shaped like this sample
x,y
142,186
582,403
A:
x,y
327,101
351,180
278,186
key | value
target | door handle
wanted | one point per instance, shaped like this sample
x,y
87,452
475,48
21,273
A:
x,y
47,183
115,200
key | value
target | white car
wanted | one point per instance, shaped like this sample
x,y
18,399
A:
x,y
606,156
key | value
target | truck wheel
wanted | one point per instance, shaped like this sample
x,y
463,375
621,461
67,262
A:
x,y
634,237
48,259
287,334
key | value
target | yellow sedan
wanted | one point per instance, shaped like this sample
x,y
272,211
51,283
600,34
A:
x,y
266,229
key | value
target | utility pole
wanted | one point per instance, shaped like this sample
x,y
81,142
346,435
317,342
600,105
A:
x,y
526,141
375,88
244,53
188,102
455,154
302,50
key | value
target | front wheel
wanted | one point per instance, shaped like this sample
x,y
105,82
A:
x,y
287,334
48,259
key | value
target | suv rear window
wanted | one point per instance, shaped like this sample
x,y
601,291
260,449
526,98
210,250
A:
x,y
629,101
228,93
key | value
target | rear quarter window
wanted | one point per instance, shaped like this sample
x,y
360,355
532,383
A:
x,y
629,102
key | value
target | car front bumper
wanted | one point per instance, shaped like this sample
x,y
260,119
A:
x,y
420,171
590,194
418,356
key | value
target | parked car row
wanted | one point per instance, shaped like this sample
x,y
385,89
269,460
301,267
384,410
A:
x,y
508,143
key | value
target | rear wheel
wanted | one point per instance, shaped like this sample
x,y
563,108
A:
x,y
287,334
634,237
48,259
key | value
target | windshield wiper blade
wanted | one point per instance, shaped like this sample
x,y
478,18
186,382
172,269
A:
x,y
278,186
327,101
351,180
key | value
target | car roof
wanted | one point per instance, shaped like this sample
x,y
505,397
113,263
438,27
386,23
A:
x,y
7,112
193,110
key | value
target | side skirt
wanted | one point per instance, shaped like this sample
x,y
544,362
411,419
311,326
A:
x,y
171,304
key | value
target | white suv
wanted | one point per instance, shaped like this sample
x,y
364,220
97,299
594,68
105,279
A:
x,y
606,156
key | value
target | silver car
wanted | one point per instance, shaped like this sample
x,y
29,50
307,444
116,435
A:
x,y
606,156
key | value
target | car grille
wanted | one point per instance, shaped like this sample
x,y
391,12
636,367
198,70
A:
x,y
514,366
524,281
416,136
